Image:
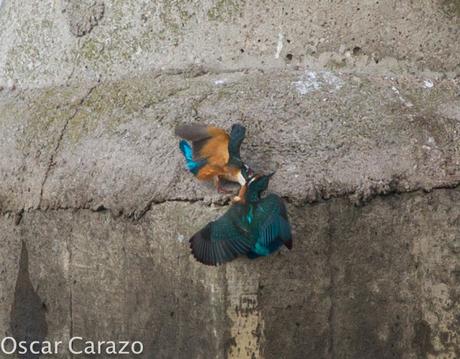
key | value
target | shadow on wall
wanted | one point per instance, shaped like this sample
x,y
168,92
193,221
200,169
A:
x,y
28,313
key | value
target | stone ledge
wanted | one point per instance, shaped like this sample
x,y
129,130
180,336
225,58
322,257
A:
x,y
327,134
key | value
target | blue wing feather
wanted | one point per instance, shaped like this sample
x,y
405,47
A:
x,y
192,165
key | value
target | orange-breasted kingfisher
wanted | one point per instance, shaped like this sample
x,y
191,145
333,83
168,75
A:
x,y
213,153
252,226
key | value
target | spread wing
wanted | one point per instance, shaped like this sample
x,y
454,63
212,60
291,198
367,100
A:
x,y
273,228
222,240
208,143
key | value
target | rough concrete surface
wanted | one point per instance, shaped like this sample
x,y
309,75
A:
x,y
43,42
355,104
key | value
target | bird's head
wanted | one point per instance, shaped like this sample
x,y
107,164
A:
x,y
246,172
256,185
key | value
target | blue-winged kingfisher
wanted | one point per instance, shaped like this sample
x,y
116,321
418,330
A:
x,y
213,153
252,226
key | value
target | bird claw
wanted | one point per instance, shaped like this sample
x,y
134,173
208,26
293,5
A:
x,y
223,190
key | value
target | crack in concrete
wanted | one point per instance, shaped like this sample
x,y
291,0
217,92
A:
x,y
221,202
59,141
69,251
18,217
196,105
138,214
195,71
359,199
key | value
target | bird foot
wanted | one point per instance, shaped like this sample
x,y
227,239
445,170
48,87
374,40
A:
x,y
223,190
236,199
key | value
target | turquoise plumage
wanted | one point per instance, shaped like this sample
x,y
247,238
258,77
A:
x,y
192,165
212,154
272,228
253,226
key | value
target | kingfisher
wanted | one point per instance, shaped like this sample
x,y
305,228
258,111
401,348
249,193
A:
x,y
252,226
213,153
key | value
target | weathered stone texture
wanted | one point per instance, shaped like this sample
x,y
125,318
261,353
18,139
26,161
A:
x,y
355,104
39,45
335,135
373,281
83,16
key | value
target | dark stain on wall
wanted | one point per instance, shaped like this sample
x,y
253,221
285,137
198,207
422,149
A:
x,y
422,338
28,313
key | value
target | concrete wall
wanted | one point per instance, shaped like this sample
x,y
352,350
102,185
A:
x,y
355,104
52,42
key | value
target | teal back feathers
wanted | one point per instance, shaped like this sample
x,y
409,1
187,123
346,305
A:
x,y
271,227
192,165
256,227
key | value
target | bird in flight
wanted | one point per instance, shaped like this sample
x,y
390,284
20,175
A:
x,y
214,154
252,226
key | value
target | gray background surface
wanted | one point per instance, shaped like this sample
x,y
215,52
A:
x,y
355,104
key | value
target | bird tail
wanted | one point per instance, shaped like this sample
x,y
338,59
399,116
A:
x,y
192,165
